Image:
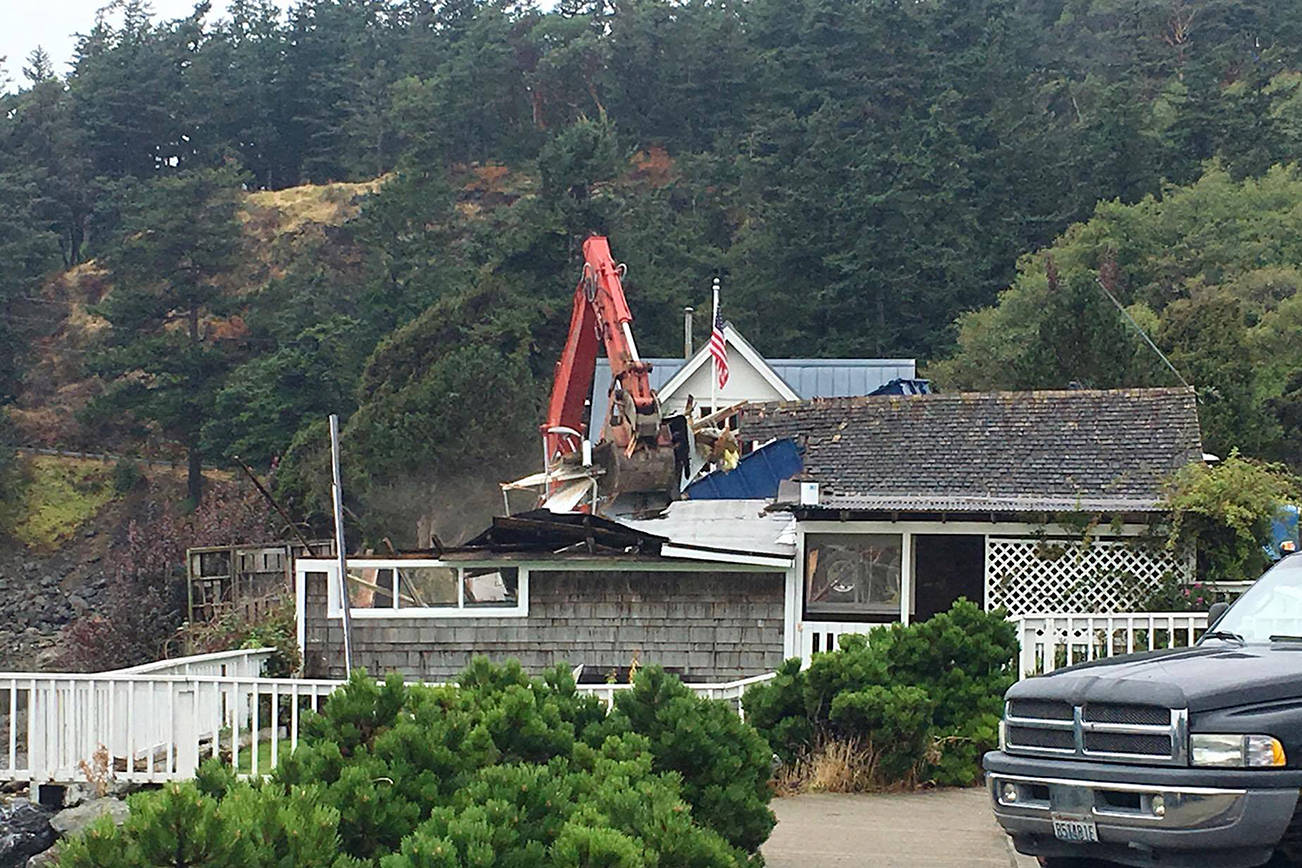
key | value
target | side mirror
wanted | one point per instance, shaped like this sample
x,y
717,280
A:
x,y
1215,612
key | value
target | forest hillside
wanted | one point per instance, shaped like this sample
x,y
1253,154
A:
x,y
217,230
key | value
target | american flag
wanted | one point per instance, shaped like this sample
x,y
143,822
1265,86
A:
x,y
719,350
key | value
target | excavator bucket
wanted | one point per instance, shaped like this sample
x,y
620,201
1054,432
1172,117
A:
x,y
649,472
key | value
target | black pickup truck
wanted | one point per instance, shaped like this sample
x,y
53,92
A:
x,y
1187,757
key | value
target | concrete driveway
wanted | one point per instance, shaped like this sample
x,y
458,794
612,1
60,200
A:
x,y
891,830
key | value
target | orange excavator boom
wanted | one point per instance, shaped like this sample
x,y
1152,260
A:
x,y
635,438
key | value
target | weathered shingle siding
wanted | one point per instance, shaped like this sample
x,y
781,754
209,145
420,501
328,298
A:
x,y
1115,443
711,626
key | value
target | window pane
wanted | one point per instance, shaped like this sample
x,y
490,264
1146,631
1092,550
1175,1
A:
x,y
492,587
214,563
370,588
852,573
426,587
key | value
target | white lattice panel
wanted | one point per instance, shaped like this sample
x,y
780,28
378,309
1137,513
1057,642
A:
x,y
1028,576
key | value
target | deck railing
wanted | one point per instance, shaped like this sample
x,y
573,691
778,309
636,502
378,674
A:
x,y
149,727
1052,641
816,637
242,662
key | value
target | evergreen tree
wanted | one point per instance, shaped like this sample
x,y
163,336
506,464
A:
x,y
168,349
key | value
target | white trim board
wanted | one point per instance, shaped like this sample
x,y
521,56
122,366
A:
x,y
582,566
669,550
974,528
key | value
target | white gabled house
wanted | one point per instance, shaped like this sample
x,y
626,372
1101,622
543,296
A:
x,y
754,379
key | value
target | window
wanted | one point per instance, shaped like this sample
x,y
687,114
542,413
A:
x,y
426,587
429,589
491,587
853,573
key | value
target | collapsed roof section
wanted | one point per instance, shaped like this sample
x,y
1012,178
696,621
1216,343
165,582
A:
x,y
735,532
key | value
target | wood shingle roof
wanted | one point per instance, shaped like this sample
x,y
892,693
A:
x,y
1011,451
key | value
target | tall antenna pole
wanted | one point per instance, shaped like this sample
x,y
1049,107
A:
x,y
714,362
337,495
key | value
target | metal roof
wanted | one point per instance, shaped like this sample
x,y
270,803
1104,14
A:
x,y
840,378
808,378
738,526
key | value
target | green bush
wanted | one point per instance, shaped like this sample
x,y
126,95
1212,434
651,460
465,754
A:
x,y
927,697
723,762
1224,511
504,770
899,719
127,475
181,825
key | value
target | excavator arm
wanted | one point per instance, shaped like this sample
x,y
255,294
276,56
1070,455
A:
x,y
600,315
636,449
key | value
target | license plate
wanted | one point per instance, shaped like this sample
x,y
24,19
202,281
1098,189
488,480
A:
x,y
1075,828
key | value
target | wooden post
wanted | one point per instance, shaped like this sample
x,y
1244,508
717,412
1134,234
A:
x,y
337,494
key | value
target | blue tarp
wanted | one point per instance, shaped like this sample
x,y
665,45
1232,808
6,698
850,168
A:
x,y
756,476
903,386
1283,532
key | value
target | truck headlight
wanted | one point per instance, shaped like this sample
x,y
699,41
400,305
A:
x,y
1236,751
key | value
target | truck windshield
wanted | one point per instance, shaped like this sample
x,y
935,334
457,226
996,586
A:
x,y
1271,607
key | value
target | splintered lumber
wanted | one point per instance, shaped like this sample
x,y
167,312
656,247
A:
x,y
717,416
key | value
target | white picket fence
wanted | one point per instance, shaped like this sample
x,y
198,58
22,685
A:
x,y
817,637
149,727
1052,641
157,722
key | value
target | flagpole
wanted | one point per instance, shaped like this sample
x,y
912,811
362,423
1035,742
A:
x,y
714,360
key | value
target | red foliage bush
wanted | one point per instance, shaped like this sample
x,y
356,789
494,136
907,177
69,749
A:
x,y
144,603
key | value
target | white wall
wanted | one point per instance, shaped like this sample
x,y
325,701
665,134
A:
x,y
744,384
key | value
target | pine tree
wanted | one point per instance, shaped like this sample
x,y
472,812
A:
x,y
166,355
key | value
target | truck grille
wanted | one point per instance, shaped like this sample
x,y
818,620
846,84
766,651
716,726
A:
x,y
1105,731
1109,712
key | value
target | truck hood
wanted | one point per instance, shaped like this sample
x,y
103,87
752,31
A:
x,y
1203,678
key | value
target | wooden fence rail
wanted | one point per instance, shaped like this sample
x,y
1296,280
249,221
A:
x,y
149,727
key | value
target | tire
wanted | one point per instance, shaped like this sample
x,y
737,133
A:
x,y
1072,862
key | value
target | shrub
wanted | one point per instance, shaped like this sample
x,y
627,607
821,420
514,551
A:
x,y
127,475
899,719
274,628
144,602
504,770
922,701
181,825
1225,511
723,762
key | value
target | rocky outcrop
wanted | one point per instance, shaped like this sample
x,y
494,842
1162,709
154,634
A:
x,y
30,835
25,830
74,820
39,595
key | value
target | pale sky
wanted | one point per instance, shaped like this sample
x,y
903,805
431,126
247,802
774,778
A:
x,y
52,24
